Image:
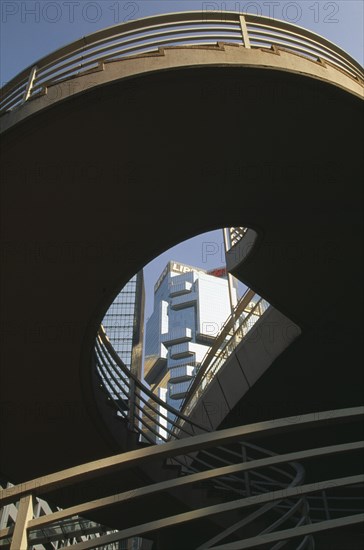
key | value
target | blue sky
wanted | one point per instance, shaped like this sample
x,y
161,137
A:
x,y
32,29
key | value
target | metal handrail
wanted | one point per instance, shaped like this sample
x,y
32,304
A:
x,y
226,341
219,342
302,526
102,338
255,483
215,359
104,350
182,28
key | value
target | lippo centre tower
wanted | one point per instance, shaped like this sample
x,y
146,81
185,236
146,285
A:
x,y
190,307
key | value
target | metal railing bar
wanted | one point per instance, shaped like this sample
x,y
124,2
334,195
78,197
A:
x,y
195,443
270,453
79,531
150,46
122,411
261,21
304,52
140,38
83,508
260,449
310,38
132,458
224,461
6,532
120,383
308,46
218,342
223,354
265,485
173,23
287,534
8,99
150,428
12,103
108,387
221,483
157,423
138,394
176,18
287,515
78,69
14,94
117,377
113,31
129,495
217,483
142,410
157,44
15,101
209,511
178,447
238,525
307,54
139,384
235,478
283,473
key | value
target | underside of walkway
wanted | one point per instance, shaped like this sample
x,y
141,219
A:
x,y
86,199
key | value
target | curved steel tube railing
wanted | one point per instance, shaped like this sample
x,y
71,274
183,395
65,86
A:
x,y
291,499
113,371
255,483
148,409
146,419
111,367
231,335
151,33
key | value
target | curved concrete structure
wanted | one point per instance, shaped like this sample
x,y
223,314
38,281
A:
x,y
85,204
182,57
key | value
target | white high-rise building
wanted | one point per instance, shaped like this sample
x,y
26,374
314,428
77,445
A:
x,y
190,307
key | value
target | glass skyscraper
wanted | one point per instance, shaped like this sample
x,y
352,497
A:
x,y
123,324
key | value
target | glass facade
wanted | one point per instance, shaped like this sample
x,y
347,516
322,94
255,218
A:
x,y
123,324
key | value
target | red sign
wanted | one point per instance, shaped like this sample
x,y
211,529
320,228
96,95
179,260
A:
x,y
218,272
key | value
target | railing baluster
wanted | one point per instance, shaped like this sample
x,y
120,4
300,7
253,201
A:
x,y
25,514
244,32
246,474
28,89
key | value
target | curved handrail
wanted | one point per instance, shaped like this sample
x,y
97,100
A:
x,y
95,468
182,28
230,336
302,527
205,459
125,382
127,374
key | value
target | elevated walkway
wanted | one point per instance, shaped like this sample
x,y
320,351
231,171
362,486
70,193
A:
x,y
134,514
85,188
